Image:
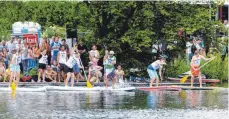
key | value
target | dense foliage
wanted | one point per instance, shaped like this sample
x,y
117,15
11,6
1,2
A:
x,y
128,28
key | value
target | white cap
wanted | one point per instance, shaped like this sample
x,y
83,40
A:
x,y
111,52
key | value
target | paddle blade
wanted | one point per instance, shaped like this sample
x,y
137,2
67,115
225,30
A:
x,y
89,84
184,79
13,93
13,86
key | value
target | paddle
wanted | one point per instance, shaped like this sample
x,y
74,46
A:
x,y
88,82
13,86
182,80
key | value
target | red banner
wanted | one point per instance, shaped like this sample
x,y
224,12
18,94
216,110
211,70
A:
x,y
31,39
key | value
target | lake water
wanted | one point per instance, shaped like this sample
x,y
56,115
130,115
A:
x,y
199,104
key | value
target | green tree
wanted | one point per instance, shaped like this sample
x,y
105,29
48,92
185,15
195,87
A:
x,y
128,28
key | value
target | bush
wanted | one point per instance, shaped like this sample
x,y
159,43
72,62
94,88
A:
x,y
176,67
217,69
33,72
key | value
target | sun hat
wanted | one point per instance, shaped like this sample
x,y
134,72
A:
x,y
111,52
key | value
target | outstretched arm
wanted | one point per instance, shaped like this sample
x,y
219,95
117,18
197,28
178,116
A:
x,y
205,59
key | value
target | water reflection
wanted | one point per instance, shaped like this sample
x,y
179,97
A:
x,y
187,99
13,94
56,103
151,100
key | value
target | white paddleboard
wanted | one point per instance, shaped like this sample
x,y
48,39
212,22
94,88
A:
x,y
58,88
40,89
62,88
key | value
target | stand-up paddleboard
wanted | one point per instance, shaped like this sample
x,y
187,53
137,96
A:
x,y
162,88
19,89
58,88
197,88
182,75
196,80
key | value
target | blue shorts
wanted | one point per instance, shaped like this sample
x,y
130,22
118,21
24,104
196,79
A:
x,y
152,74
54,55
110,73
76,69
14,68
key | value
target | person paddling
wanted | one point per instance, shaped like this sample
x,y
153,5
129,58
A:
x,y
68,68
195,67
15,68
158,64
109,61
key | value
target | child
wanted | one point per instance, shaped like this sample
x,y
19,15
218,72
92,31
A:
x,y
94,73
2,71
56,69
151,69
195,66
119,74
51,74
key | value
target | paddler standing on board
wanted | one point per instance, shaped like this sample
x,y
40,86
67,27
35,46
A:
x,y
74,59
195,67
15,68
109,61
158,64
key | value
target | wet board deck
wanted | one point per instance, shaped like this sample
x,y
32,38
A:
x,y
58,88
197,88
181,76
27,84
19,89
164,84
163,88
196,80
61,88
